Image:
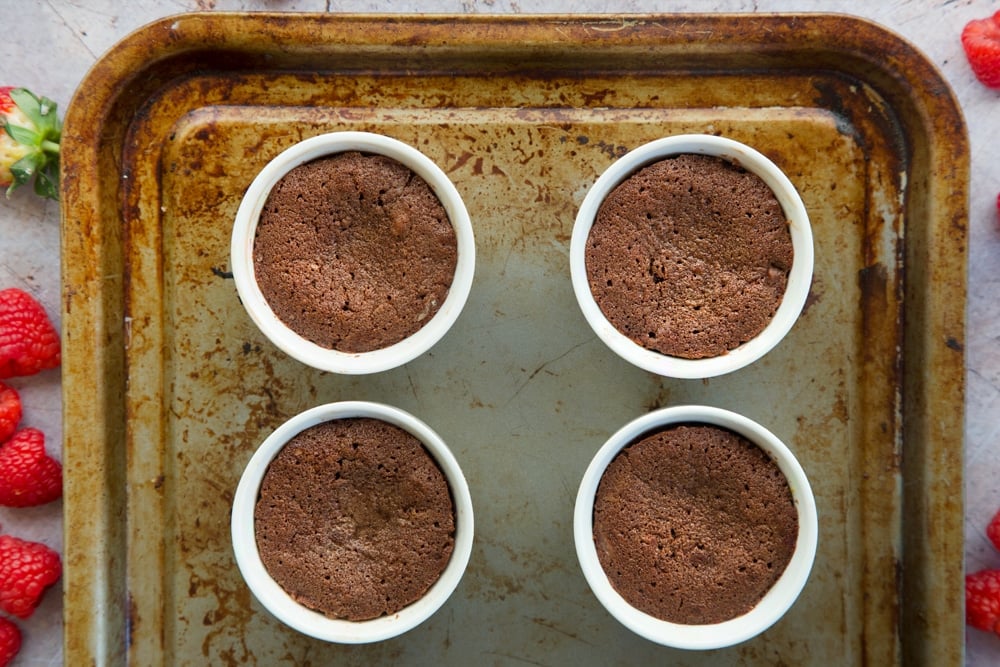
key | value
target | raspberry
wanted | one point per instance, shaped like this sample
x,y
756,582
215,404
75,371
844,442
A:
x,y
27,569
28,476
993,530
10,641
981,41
28,341
982,600
10,411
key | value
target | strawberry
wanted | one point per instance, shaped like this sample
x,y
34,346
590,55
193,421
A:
x,y
982,600
27,569
28,476
28,341
981,41
10,411
10,641
29,148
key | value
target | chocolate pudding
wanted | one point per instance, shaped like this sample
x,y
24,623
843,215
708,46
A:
x,y
693,524
354,252
689,256
354,519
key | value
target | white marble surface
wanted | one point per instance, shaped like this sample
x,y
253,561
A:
x,y
48,46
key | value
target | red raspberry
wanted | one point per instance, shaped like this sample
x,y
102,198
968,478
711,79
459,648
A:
x,y
982,600
27,569
10,411
28,476
28,341
10,641
993,530
981,41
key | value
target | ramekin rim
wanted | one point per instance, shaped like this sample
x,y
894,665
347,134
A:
x,y
312,623
782,594
295,345
799,280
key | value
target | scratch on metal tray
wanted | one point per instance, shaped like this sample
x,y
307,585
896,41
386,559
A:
x,y
603,26
540,369
413,386
515,657
128,331
506,260
549,625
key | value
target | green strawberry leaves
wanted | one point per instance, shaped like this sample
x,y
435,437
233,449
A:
x,y
42,160
41,111
23,135
45,171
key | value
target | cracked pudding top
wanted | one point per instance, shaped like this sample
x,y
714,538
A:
x,y
354,519
689,256
693,524
354,252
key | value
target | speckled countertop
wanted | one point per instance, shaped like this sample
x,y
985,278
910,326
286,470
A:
x,y
48,46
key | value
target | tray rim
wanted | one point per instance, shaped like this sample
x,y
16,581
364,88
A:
x,y
90,320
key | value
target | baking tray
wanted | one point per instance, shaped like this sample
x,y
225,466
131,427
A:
x,y
169,388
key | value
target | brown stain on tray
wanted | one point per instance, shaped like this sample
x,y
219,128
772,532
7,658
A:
x,y
523,113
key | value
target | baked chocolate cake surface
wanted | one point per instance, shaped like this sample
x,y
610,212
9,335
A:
x,y
354,519
690,256
354,252
694,524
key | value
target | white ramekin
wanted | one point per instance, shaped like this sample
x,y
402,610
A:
x,y
245,226
778,599
274,598
799,278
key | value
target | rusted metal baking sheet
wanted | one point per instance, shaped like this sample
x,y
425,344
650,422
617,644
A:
x,y
169,387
